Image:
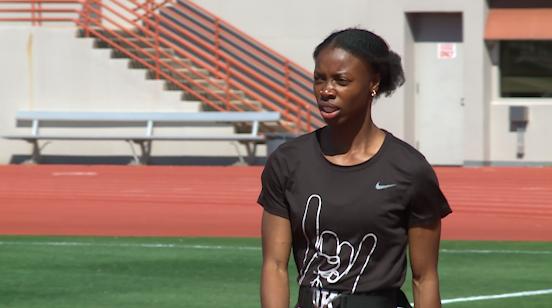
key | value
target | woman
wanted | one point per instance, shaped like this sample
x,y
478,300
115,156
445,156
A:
x,y
349,197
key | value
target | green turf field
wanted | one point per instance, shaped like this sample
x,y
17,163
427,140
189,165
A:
x,y
58,271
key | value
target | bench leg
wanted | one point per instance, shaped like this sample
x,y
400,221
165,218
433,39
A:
x,y
240,161
251,152
136,160
36,158
145,147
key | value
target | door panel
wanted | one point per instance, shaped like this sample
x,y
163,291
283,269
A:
x,y
439,86
439,104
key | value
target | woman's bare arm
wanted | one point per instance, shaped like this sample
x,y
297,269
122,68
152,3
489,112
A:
x,y
424,255
276,237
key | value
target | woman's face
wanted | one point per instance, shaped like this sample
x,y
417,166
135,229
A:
x,y
343,86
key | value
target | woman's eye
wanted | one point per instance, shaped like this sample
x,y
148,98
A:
x,y
342,81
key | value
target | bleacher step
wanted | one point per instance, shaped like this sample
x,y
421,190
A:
x,y
137,64
210,95
165,53
193,74
203,83
243,106
197,84
112,33
142,43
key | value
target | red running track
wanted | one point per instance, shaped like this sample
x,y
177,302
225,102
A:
x,y
488,203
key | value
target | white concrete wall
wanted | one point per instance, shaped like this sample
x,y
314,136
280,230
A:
x,y
538,135
51,69
294,28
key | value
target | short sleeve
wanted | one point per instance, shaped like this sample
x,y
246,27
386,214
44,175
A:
x,y
428,203
272,196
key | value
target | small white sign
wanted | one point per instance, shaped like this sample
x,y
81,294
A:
x,y
446,51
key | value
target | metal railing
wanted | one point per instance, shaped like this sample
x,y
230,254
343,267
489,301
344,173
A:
x,y
161,35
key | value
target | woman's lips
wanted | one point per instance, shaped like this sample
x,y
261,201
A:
x,y
329,109
328,112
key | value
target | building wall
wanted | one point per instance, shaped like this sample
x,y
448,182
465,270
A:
x,y
50,69
538,143
294,28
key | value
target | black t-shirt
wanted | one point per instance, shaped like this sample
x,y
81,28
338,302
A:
x,y
350,223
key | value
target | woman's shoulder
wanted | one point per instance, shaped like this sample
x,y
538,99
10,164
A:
x,y
288,155
400,151
296,147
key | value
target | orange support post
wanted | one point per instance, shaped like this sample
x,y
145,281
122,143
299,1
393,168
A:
x,y
308,119
287,85
99,14
217,51
40,13
86,11
157,56
32,12
298,121
228,84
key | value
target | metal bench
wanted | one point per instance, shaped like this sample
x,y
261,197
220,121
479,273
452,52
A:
x,y
149,120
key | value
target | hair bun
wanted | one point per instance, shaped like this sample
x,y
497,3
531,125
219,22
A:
x,y
396,73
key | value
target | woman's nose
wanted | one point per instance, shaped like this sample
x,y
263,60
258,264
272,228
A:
x,y
327,92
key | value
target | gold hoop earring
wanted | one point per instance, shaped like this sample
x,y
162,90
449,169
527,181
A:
x,y
373,93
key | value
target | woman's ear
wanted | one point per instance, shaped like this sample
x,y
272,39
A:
x,y
376,78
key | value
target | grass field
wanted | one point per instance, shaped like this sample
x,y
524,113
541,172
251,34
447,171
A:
x,y
63,271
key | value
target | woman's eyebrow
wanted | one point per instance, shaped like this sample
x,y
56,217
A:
x,y
341,73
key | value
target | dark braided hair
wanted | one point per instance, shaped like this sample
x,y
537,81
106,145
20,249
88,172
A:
x,y
370,48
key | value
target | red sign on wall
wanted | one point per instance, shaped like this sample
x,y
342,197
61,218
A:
x,y
446,51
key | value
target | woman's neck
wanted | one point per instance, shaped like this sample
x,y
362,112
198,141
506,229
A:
x,y
349,145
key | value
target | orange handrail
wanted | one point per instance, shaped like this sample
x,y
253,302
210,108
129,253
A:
x,y
284,68
264,79
273,107
229,104
218,21
156,69
208,41
206,45
247,36
154,6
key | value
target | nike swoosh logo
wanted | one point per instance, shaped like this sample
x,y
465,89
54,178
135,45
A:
x,y
380,187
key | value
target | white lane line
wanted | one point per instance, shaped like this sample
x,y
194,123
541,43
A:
x,y
487,297
495,251
128,245
244,247
73,173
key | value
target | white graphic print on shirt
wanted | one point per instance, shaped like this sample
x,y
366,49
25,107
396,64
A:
x,y
331,262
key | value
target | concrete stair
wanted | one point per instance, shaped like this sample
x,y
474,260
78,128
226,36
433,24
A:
x,y
237,103
136,41
137,64
202,77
